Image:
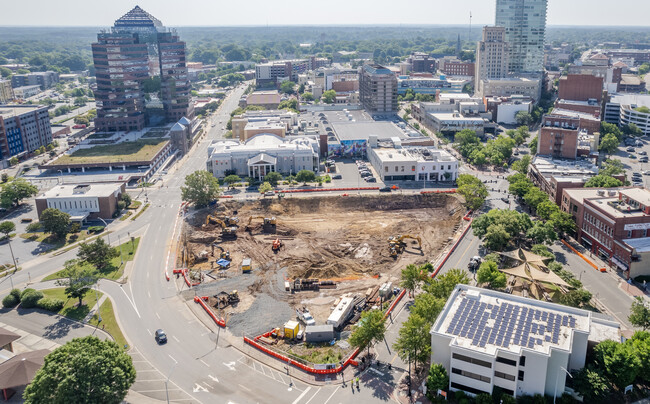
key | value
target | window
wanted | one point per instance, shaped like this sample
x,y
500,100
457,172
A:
x,y
522,361
471,360
471,375
506,361
467,388
504,376
386,169
521,375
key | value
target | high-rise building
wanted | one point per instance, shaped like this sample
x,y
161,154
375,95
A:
x,y
23,129
137,48
525,24
378,89
492,54
6,91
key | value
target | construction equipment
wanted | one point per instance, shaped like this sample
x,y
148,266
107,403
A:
x,y
277,244
268,223
305,316
223,254
396,244
225,230
225,299
305,284
246,265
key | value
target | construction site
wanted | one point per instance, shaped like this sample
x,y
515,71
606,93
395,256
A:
x,y
259,261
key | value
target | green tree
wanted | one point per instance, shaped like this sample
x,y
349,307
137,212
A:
x,y
56,222
533,146
273,178
442,285
126,198
519,185
609,143
288,87
515,223
84,370
308,96
522,164
496,237
473,190
414,341
618,361
524,118
590,384
546,208
7,227
232,179
490,274
97,253
428,307
77,280
632,130
437,379
542,232
291,105
644,69
14,192
265,187
641,342
467,140
562,222
639,314
5,72
603,181
201,187
412,278
576,298
534,197
301,88
305,176
329,96
610,128
612,167
370,329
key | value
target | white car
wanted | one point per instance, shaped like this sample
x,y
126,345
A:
x,y
269,193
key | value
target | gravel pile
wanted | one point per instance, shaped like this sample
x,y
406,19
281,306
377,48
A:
x,y
264,314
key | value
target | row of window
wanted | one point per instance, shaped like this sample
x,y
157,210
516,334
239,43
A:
x,y
471,375
598,236
598,224
69,204
473,361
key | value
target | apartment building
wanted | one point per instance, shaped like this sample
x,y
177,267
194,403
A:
x,y
421,62
378,89
44,80
525,25
581,87
274,72
554,175
492,54
453,66
6,91
23,129
487,339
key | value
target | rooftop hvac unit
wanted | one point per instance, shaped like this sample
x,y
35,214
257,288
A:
x,y
601,192
612,193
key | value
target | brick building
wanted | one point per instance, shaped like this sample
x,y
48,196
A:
x,y
587,107
456,67
83,201
553,176
610,222
581,87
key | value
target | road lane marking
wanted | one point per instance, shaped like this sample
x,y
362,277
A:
x,y
244,387
312,397
172,358
157,315
393,360
148,293
208,385
332,395
213,378
198,388
149,331
229,365
302,395
177,340
202,361
131,301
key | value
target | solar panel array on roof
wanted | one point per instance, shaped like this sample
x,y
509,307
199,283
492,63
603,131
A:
x,y
513,324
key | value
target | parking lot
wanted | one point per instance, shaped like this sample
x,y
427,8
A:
x,y
633,160
348,169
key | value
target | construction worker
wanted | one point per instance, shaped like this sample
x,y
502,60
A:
x,y
357,382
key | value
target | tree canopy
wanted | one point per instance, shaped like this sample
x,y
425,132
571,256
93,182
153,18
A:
x,y
640,314
609,143
489,274
473,190
12,193
201,187
603,181
56,222
84,370
370,329
98,253
412,277
499,227
305,176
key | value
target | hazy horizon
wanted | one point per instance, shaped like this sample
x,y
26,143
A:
x,y
257,13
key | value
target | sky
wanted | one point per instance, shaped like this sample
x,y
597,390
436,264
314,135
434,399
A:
x,y
309,12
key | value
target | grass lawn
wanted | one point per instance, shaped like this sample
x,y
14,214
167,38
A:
x,y
134,205
141,212
115,270
71,308
109,322
125,215
42,237
140,150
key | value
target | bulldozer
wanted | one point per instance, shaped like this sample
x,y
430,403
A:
x,y
269,223
225,299
277,244
226,231
396,244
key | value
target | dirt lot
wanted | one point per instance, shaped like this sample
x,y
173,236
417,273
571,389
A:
x,y
338,238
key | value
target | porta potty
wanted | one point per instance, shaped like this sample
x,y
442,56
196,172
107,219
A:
x,y
291,328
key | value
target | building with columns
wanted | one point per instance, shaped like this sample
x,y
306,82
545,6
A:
x,y
262,154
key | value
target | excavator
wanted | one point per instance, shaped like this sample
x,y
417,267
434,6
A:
x,y
231,220
224,254
268,223
225,230
396,244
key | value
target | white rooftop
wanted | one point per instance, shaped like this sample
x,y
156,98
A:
x,y
631,99
563,169
639,244
485,320
85,190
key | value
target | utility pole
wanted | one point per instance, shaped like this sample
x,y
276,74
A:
x,y
470,27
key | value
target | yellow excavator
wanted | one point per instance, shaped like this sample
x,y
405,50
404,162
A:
x,y
231,220
396,244
225,230
267,220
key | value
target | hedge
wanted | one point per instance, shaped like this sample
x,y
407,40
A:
x,y
50,304
25,292
30,300
10,301
16,293
95,229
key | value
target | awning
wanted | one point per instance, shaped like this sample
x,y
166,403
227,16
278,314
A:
x,y
21,369
619,264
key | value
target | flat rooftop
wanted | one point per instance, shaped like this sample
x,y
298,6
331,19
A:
x,y
640,195
614,207
363,130
414,154
550,167
487,321
574,114
631,99
580,194
86,190
10,111
641,245
449,116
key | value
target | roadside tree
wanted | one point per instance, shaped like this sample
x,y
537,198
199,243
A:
x,y
97,253
414,341
56,222
438,379
603,181
273,178
201,187
412,278
231,179
77,280
441,286
370,329
265,187
473,190
609,143
640,314
490,274
7,227
84,370
305,176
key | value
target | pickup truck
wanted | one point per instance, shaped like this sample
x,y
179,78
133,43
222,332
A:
x,y
305,316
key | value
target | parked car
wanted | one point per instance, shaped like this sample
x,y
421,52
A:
x,y
643,153
630,149
384,189
643,159
251,188
371,179
160,336
337,177
269,193
636,174
366,174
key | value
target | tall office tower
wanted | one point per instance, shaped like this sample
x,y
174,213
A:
x,y
378,89
525,24
492,54
137,48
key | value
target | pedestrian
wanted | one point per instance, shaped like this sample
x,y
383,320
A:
x,y
357,382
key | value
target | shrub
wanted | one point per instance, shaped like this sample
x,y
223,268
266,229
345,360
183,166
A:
x,y
16,293
33,227
75,227
95,229
31,299
121,205
10,301
50,304
26,291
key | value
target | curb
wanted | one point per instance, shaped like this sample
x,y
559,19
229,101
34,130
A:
x,y
453,248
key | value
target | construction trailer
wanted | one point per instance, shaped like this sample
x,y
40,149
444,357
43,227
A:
x,y
319,333
341,312
246,265
291,329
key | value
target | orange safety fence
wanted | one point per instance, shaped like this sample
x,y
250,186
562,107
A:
x,y
200,300
587,260
453,248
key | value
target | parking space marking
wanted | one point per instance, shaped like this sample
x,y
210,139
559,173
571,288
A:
x,y
312,397
242,360
332,395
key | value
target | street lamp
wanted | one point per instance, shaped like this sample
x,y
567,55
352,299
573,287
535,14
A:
x,y
108,234
120,244
99,315
556,379
168,376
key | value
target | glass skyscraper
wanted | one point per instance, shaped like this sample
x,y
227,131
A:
x,y
525,24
